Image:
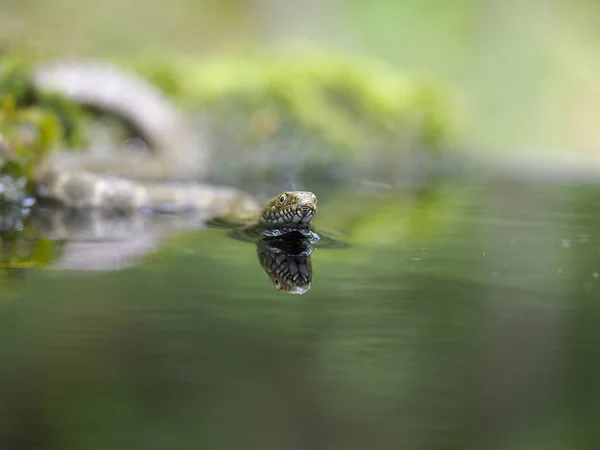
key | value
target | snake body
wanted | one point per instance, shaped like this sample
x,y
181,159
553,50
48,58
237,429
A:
x,y
95,187
166,178
177,152
103,194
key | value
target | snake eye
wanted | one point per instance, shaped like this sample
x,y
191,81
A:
x,y
277,283
282,198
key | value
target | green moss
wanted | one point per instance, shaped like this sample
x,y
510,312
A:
x,y
331,107
347,103
31,123
17,92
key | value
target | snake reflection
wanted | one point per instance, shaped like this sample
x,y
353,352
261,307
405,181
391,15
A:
x,y
286,260
98,240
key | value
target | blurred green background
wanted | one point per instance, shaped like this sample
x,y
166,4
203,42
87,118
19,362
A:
x,y
526,71
462,317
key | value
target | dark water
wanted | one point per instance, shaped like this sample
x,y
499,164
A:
x,y
461,317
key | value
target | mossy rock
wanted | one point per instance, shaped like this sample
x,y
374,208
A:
x,y
21,102
309,111
32,123
307,116
348,103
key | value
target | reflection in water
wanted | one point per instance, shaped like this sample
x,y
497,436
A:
x,y
85,240
286,259
490,342
96,240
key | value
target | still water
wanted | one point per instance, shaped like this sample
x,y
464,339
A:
x,y
464,316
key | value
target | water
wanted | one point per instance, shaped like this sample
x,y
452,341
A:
x,y
461,316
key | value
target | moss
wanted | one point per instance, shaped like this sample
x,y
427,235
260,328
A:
x,y
350,104
315,112
31,123
17,90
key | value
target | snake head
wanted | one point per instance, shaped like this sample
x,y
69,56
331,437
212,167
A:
x,y
291,287
290,208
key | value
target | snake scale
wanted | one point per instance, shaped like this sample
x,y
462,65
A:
x,y
164,177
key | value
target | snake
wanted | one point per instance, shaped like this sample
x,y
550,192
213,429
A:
x,y
164,177
287,262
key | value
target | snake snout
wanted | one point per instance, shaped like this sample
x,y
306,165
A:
x,y
306,210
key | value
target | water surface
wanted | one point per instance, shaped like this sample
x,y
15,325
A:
x,y
461,316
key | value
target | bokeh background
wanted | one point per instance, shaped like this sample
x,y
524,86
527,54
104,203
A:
x,y
526,71
463,316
